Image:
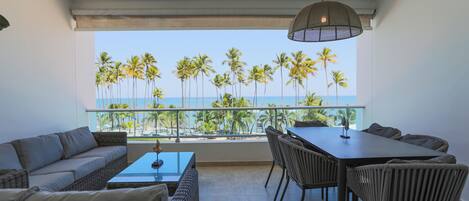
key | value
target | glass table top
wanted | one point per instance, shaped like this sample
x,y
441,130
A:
x,y
141,171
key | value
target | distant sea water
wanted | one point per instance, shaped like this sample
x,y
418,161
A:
x,y
207,101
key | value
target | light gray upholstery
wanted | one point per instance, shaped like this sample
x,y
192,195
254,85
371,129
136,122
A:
x,y
387,132
8,157
408,182
53,181
151,193
109,153
77,141
37,152
80,166
426,141
17,194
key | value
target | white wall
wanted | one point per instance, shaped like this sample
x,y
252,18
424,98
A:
x,y
415,77
46,70
225,151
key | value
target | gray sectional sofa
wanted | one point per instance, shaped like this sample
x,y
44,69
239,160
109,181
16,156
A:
x,y
72,160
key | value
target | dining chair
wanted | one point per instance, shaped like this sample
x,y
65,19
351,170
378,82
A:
x,y
387,132
313,123
277,158
408,181
307,168
427,141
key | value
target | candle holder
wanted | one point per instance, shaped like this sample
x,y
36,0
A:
x,y
346,126
157,149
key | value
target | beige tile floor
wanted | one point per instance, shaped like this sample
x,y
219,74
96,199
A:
x,y
246,183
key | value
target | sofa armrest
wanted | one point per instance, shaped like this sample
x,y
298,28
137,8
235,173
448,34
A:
x,y
111,138
14,179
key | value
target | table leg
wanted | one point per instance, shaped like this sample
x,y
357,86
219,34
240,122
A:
x,y
341,180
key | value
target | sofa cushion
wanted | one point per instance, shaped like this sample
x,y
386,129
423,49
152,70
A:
x,y
109,153
80,166
37,152
77,141
17,194
151,193
53,181
8,157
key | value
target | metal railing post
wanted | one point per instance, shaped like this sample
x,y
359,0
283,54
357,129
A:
x,y
177,126
276,118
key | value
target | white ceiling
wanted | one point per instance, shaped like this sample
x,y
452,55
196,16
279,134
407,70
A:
x,y
204,7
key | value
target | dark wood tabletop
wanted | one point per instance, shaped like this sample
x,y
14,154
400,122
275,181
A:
x,y
360,145
360,149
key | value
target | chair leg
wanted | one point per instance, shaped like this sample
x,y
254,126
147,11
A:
x,y
302,194
280,184
327,194
285,188
322,193
270,173
354,196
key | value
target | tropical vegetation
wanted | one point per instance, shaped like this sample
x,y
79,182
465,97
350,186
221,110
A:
x,y
298,69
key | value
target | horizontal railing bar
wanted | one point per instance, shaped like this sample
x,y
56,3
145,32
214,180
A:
x,y
227,108
196,136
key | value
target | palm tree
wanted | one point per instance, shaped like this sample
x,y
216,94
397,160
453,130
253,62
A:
x,y
309,68
339,79
297,72
235,64
282,62
315,114
119,73
256,75
218,82
104,64
157,95
151,72
226,80
268,75
183,72
325,57
134,70
202,64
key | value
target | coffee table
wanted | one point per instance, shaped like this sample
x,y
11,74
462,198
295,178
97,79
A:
x,y
141,173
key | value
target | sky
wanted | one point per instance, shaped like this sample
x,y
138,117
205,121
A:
x,y
258,47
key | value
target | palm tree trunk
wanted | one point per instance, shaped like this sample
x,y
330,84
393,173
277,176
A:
x,y
327,80
281,87
336,94
203,97
182,93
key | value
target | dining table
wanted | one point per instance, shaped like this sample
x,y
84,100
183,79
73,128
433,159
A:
x,y
360,148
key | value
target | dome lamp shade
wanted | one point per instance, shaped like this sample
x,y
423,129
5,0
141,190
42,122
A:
x,y
325,21
3,23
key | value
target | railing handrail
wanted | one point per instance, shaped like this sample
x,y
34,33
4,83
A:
x,y
228,108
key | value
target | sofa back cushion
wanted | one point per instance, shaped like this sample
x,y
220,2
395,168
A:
x,y
77,141
37,152
151,193
8,157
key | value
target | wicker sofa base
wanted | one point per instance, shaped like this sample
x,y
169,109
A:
x,y
97,180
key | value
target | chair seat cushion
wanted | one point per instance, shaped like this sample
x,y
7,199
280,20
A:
x,y
8,157
79,166
77,141
53,181
37,152
424,141
382,131
109,153
151,193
